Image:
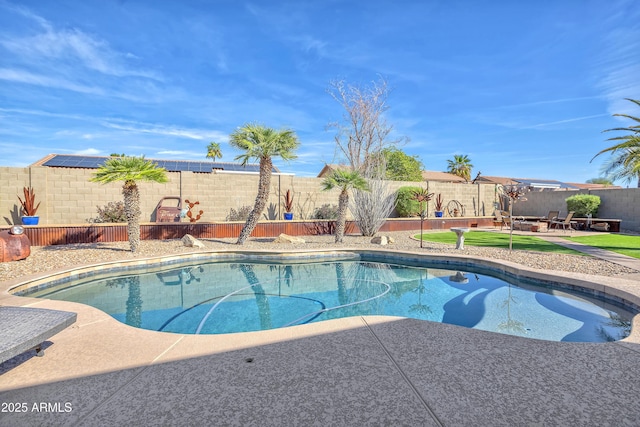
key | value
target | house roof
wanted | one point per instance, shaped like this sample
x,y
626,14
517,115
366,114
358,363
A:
x,y
426,175
93,162
545,183
329,168
441,176
531,182
502,180
589,186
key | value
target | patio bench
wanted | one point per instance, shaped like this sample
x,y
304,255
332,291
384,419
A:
x,y
23,329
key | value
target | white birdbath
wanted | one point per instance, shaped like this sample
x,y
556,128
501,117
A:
x,y
460,233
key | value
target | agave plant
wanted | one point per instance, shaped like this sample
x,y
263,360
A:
x,y
29,208
288,201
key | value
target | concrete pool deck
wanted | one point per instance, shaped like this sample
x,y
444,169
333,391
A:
x,y
357,371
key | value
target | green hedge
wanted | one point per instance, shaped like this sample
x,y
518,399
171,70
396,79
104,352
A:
x,y
405,205
583,204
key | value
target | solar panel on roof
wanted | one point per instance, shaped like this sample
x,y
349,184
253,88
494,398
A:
x,y
92,162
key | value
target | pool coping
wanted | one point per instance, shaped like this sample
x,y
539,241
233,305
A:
x,y
618,290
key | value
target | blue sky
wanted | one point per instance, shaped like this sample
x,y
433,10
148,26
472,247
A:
x,y
524,88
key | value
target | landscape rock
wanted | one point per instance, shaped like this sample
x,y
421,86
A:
x,y
285,238
380,240
191,242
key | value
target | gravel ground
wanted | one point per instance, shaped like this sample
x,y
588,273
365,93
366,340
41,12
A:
x,y
44,259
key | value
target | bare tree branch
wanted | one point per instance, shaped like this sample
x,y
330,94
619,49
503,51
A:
x,y
363,132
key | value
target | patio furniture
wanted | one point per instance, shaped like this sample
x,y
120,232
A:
x,y
600,226
502,218
551,216
534,226
564,222
23,329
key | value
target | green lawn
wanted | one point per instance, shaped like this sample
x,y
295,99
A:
x,y
498,240
620,243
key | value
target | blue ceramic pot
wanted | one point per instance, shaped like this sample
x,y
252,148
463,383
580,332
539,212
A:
x,y
288,216
30,220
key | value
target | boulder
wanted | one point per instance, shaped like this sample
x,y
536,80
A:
x,y
14,247
191,242
285,238
380,240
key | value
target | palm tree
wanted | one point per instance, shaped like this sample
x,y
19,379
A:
x,y
625,163
460,166
345,180
262,143
213,151
130,170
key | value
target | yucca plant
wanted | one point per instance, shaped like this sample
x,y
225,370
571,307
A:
x,y
29,208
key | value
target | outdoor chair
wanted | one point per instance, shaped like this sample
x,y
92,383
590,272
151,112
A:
x,y
505,220
551,216
502,218
564,222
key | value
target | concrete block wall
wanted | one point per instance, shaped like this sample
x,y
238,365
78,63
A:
x,y
622,203
68,197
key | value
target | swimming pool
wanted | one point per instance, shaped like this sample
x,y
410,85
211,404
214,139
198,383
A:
x,y
215,297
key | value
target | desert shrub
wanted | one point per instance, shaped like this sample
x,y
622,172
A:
x,y
326,211
583,204
371,208
406,206
239,215
111,212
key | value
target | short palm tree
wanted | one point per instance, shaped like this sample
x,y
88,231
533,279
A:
x,y
625,163
460,166
130,170
344,180
262,143
213,151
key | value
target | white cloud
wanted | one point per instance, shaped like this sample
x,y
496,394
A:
x,y
619,65
88,152
21,76
146,128
72,45
575,119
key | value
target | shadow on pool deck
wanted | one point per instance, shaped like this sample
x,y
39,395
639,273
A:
x,y
356,371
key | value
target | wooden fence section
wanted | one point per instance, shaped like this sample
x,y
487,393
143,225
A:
x,y
47,235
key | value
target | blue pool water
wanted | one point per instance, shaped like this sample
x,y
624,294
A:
x,y
227,297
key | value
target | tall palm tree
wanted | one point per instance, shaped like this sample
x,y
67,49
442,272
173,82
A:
x,y
213,151
625,163
345,180
460,166
262,143
130,170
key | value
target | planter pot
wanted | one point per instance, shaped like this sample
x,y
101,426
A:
x,y
439,214
30,220
288,216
